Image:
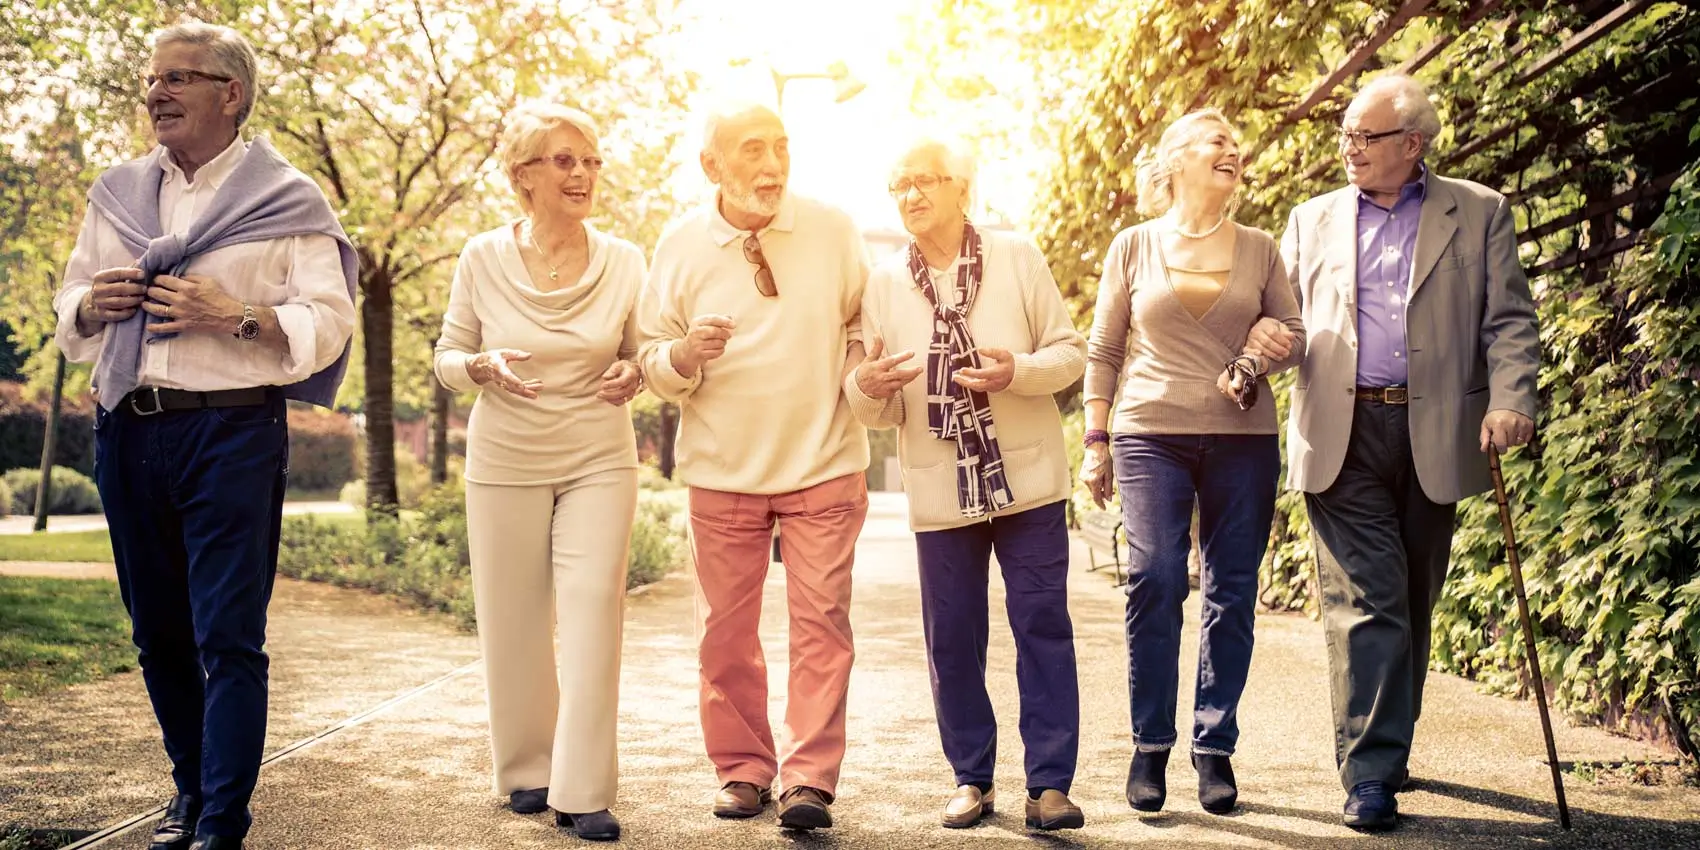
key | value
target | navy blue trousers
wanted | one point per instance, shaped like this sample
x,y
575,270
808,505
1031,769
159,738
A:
x,y
1232,478
1032,549
194,503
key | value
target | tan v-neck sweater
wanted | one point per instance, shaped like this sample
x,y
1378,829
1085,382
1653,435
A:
x,y
1157,364
574,334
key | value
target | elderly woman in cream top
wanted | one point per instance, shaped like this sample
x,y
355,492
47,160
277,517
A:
x,y
969,338
540,321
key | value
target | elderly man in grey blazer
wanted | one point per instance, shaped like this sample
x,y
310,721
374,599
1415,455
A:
x,y
1422,350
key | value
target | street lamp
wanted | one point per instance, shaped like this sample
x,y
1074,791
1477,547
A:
x,y
844,84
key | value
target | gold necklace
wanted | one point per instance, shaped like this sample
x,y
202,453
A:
x,y
531,236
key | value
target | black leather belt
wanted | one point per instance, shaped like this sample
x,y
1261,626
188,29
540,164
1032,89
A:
x,y
1385,395
146,401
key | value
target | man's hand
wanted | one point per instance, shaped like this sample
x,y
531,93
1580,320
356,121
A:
x,y
706,340
993,378
620,383
1270,340
192,303
1506,428
492,366
114,297
1097,473
881,377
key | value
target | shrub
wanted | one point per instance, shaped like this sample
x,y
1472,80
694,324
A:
x,y
23,424
5,498
322,447
73,492
412,480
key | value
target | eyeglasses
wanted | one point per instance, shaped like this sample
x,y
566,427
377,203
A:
x,y
177,79
568,162
1357,140
764,273
925,182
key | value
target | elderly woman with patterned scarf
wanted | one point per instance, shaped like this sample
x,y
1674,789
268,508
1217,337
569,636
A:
x,y
975,315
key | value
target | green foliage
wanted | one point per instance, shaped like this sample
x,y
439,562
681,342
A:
x,y
422,558
23,426
322,449
58,632
1607,525
5,498
73,492
89,547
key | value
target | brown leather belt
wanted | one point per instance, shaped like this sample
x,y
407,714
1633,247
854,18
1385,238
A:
x,y
1385,395
146,401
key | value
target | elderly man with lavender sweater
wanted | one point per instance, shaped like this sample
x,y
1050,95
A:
x,y
210,283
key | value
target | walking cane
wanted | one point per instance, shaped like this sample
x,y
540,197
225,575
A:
x,y
1528,633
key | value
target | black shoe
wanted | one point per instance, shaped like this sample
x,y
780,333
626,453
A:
x,y
591,826
177,828
1404,782
529,801
1371,807
1217,791
216,842
1147,780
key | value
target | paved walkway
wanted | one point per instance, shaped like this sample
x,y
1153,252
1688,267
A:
x,y
416,776
97,522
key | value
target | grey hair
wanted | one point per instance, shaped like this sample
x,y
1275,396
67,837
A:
x,y
524,131
1154,175
717,114
231,56
1410,102
957,161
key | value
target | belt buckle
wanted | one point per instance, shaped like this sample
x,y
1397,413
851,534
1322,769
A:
x,y
157,406
1396,395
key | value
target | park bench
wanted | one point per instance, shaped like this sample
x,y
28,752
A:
x,y
1102,533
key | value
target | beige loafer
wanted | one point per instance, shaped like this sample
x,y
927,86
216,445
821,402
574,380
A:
x,y
967,806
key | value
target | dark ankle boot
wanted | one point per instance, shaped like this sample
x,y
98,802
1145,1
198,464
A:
x,y
1147,780
1217,791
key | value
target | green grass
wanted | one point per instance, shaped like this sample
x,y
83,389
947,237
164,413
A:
x,y
57,546
57,632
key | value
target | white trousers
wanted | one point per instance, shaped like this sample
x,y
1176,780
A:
x,y
548,569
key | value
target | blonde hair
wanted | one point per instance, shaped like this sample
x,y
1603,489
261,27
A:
x,y
525,129
1154,174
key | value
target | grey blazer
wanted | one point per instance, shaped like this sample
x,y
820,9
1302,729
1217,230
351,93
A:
x,y
1470,334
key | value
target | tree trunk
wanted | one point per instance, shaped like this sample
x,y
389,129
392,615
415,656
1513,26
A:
x,y
440,407
669,435
378,329
49,443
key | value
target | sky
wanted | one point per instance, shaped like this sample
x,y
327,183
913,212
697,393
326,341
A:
x,y
840,152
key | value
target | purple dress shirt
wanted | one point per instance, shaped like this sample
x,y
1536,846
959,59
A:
x,y
1387,245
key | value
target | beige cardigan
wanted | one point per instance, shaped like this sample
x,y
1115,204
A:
x,y
1167,362
1018,309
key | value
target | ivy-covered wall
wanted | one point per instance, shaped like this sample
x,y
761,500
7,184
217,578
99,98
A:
x,y
1586,135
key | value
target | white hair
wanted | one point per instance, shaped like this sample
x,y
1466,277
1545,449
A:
x,y
525,130
230,54
719,112
952,156
1410,102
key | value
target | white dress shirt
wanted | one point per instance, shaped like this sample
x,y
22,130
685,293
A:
x,y
300,277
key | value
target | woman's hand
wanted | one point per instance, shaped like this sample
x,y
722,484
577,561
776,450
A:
x,y
1097,473
621,383
1270,339
492,367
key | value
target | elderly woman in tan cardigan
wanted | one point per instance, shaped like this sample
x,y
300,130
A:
x,y
968,339
540,321
1194,424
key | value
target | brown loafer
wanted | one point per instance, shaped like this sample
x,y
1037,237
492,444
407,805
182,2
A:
x,y
741,800
1053,810
967,806
803,807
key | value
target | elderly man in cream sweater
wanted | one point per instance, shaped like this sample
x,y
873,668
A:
x,y
981,445
749,318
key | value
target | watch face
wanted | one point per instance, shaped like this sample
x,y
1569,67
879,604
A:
x,y
249,330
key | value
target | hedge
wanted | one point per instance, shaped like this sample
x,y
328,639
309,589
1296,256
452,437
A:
x,y
73,492
23,424
322,449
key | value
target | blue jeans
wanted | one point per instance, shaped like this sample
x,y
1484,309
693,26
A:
x,y
1032,549
194,504
1233,480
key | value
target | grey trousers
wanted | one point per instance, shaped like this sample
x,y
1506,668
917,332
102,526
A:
x,y
1382,550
